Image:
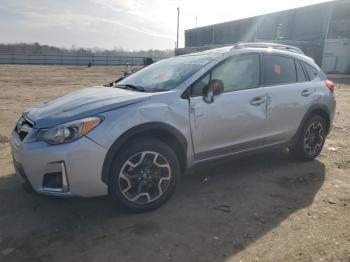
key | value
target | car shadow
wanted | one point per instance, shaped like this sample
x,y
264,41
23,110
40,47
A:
x,y
215,213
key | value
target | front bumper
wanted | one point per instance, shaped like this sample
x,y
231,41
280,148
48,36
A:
x,y
79,164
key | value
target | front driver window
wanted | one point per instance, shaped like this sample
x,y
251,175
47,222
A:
x,y
197,87
239,72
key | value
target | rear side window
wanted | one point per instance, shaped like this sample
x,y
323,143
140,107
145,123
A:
x,y
277,70
300,72
311,71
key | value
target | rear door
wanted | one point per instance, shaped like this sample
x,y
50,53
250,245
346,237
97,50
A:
x,y
289,96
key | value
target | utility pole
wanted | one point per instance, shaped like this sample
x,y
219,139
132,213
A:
x,y
178,21
196,20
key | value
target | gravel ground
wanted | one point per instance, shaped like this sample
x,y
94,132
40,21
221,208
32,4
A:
x,y
266,207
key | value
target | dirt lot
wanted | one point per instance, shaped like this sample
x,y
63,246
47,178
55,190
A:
x,y
267,207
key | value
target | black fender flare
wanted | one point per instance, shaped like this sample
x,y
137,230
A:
x,y
139,130
314,109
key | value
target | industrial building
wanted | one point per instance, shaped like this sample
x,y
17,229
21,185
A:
x,y
322,31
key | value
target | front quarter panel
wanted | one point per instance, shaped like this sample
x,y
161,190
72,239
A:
x,y
167,108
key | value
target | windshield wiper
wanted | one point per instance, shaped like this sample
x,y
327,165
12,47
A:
x,y
132,87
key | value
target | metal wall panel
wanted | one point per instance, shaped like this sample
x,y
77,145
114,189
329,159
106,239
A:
x,y
305,27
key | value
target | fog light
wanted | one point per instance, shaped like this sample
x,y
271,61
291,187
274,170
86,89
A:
x,y
56,181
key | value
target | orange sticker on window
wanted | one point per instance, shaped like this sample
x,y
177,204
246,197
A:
x,y
277,69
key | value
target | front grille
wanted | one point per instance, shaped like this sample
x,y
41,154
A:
x,y
23,127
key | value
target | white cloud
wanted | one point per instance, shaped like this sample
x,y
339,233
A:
x,y
80,21
133,24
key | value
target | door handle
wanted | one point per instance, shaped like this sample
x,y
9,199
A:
x,y
257,101
306,92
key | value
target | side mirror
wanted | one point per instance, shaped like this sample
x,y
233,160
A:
x,y
214,88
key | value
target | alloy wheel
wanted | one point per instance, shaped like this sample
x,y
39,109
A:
x,y
144,177
313,138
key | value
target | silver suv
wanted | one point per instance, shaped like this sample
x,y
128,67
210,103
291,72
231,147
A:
x,y
134,139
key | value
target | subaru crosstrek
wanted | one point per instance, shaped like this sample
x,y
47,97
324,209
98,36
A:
x,y
134,139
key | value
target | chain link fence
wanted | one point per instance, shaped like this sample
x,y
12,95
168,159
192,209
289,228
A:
x,y
39,59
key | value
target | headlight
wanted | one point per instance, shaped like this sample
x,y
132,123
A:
x,y
68,132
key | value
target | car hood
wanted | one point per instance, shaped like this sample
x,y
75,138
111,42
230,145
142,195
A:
x,y
82,103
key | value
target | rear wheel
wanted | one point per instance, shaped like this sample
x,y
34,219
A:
x,y
311,139
144,174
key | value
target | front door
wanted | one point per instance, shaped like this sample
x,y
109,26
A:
x,y
235,121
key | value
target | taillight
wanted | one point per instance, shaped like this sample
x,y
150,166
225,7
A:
x,y
330,85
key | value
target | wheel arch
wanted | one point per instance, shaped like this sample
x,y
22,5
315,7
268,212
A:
x,y
324,114
317,109
164,132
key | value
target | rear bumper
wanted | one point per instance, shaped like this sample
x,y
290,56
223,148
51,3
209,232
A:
x,y
78,164
334,108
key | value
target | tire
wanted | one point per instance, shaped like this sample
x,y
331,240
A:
x,y
144,174
311,139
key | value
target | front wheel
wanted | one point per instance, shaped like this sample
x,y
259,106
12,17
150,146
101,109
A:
x,y
144,174
311,139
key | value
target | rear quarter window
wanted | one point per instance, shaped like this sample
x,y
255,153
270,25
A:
x,y
311,71
322,75
277,70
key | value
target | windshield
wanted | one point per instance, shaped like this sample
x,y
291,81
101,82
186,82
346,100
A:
x,y
166,74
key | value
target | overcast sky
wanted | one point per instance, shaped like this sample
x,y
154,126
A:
x,y
130,24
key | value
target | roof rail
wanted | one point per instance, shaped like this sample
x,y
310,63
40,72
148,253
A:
x,y
268,45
